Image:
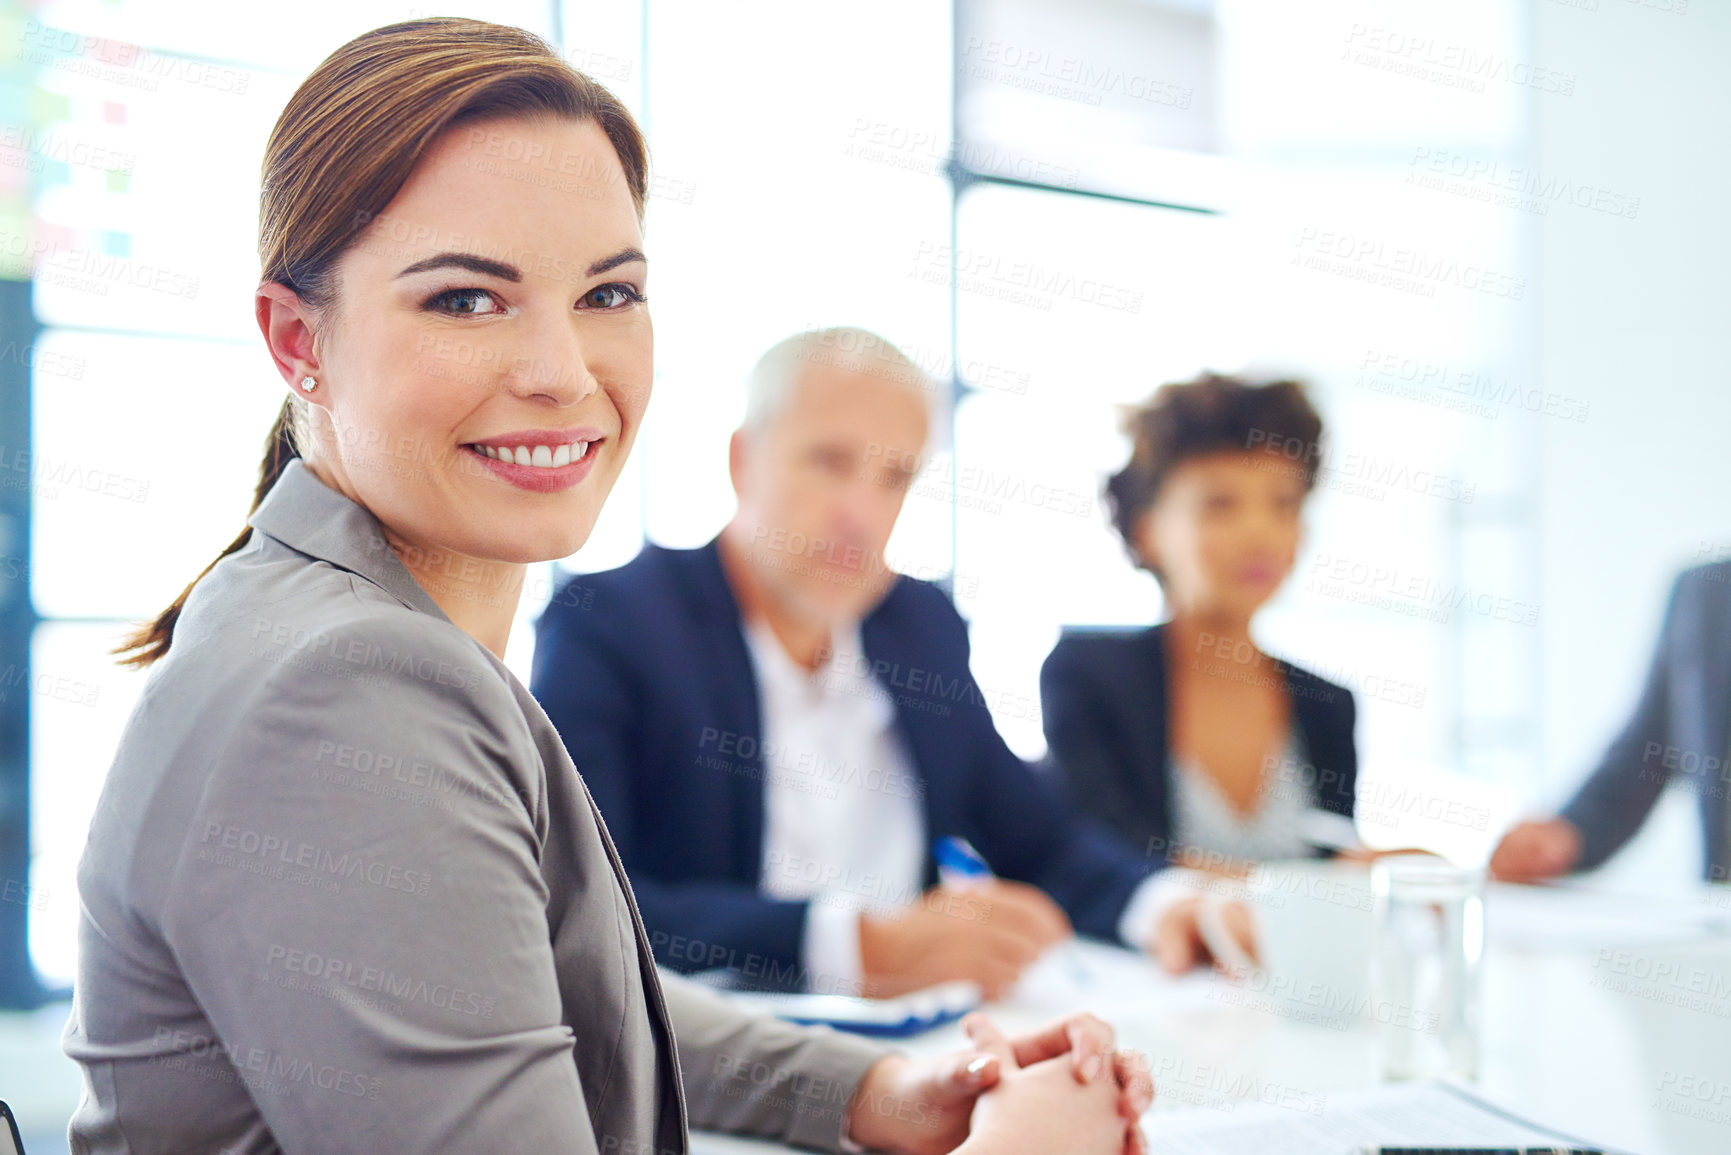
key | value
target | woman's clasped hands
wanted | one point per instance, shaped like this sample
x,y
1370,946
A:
x,y
1063,1089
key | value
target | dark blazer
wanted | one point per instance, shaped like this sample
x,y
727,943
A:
x,y
1681,729
1103,704
645,672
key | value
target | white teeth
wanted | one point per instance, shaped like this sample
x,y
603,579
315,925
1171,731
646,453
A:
x,y
540,457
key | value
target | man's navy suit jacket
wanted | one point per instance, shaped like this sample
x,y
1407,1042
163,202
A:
x,y
645,672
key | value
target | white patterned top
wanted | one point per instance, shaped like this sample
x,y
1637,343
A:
x,y
1204,818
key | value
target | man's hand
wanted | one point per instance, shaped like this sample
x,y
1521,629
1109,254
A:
x,y
925,1107
1534,851
1179,943
987,935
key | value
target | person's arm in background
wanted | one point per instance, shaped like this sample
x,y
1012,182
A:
x,y
1335,753
1616,798
1029,831
585,679
1078,736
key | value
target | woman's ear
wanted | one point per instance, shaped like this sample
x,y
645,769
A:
x,y
288,325
1142,539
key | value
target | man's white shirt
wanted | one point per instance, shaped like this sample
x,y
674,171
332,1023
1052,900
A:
x,y
844,810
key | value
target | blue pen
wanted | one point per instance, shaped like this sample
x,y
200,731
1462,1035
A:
x,y
961,867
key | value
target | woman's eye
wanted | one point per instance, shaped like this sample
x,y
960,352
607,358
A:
x,y
615,296
464,302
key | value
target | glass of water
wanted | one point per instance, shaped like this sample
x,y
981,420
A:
x,y
1430,923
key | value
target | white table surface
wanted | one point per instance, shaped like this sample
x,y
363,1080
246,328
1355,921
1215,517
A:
x,y
1605,1016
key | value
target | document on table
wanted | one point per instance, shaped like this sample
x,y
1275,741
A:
x,y
1573,915
1409,1114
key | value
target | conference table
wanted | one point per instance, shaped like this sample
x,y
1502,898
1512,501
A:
x,y
1605,1016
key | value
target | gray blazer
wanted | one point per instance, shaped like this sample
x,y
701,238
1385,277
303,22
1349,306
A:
x,y
345,891
1681,729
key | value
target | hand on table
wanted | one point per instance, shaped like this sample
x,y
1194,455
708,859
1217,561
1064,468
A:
x,y
1534,851
1179,942
987,934
1063,1088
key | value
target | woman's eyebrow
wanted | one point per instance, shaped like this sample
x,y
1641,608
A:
x,y
467,261
622,257
509,272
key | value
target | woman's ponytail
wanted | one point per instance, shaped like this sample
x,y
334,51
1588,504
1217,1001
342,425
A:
x,y
151,641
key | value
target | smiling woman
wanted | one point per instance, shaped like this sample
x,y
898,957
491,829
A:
x,y
344,889
494,330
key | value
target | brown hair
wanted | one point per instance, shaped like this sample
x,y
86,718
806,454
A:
x,y
345,145
1210,414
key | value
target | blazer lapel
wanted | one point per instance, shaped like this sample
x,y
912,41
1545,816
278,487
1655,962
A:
x,y
737,703
645,957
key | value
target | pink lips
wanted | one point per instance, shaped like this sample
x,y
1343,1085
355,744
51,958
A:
x,y
1259,574
535,478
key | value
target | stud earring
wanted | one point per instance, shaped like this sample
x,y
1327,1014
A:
x,y
308,384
